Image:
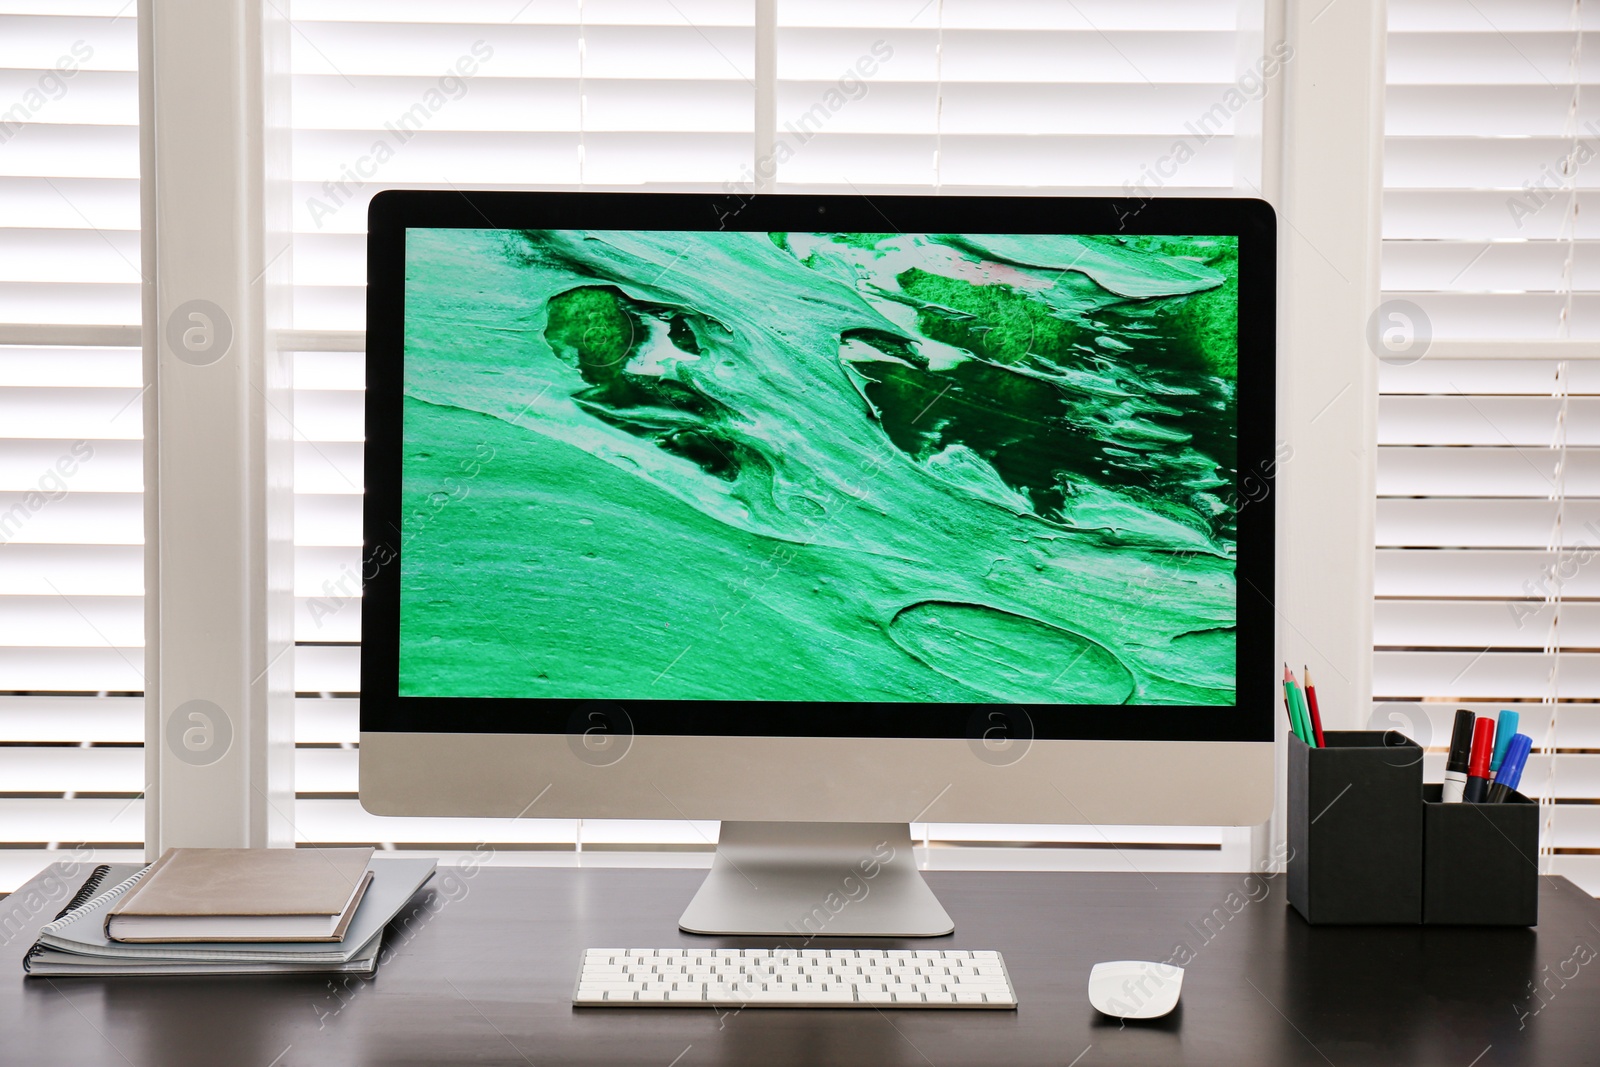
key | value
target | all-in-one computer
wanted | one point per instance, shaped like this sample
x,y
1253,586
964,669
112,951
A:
x,y
819,515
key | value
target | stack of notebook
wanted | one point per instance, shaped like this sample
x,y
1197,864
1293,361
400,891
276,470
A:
x,y
230,911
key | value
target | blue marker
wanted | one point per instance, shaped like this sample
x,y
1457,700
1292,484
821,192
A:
x,y
1504,729
1510,776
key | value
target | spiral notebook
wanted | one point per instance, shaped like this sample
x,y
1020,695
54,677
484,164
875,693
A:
x,y
75,941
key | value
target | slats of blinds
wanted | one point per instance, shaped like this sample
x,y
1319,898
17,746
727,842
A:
x,y
1484,116
384,100
986,95
1488,511
1004,95
69,165
961,96
71,572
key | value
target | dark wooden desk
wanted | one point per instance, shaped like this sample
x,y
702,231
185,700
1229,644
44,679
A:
x,y
484,972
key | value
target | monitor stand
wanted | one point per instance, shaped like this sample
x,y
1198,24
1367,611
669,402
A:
x,y
815,879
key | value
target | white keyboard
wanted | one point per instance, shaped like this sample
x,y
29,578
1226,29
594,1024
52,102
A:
x,y
786,978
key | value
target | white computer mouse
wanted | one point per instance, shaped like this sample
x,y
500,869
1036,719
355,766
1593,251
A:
x,y
1135,989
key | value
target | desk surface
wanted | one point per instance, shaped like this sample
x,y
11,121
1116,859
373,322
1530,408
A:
x,y
483,971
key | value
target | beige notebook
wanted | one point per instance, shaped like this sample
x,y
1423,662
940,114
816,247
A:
x,y
244,894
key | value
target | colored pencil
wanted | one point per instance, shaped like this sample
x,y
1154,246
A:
x,y
1288,702
1297,711
1304,711
1316,716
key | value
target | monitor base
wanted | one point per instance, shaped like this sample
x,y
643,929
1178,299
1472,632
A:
x,y
815,879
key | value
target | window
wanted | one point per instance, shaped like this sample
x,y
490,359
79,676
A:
x,y
1488,468
900,95
71,577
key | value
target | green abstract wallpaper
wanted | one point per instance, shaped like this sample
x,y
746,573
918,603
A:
x,y
819,466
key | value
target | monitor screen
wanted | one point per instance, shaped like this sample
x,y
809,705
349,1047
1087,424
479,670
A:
x,y
771,465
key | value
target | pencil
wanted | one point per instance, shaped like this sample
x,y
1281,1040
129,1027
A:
x,y
1297,711
1316,716
1303,711
1288,701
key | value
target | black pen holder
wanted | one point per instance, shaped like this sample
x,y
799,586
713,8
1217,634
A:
x,y
1355,828
1480,864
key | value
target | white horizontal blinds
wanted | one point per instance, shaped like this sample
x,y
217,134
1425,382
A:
x,y
1489,469
1490,125
969,95
972,96
597,94
71,569
69,165
592,94
540,94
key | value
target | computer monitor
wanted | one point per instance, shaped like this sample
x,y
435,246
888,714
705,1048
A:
x,y
819,515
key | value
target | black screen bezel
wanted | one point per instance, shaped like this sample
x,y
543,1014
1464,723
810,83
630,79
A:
x,y
392,212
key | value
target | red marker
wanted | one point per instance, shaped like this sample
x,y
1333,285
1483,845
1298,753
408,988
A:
x,y
1482,753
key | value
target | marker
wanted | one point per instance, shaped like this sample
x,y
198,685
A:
x,y
1455,767
1505,728
1478,770
1316,716
1510,776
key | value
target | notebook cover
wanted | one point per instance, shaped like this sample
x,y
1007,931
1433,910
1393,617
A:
x,y
248,881
174,935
